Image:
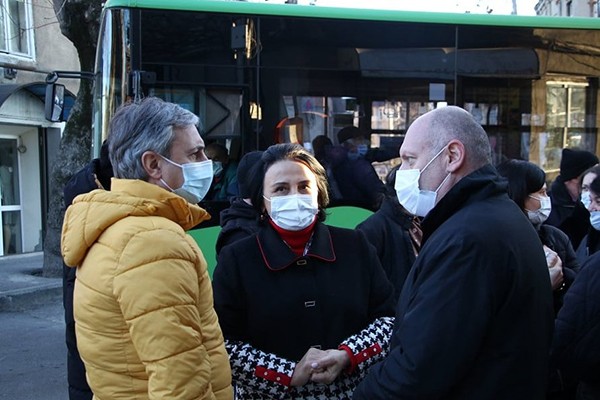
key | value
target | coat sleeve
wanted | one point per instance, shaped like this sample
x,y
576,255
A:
x,y
372,343
369,346
374,233
157,289
381,299
258,371
251,368
433,346
560,242
571,268
577,327
570,264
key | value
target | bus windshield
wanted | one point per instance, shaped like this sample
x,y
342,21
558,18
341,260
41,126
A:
x,y
259,74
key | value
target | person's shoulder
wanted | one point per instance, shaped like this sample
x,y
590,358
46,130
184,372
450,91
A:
x,y
375,220
242,245
239,212
482,221
83,181
554,232
345,235
591,267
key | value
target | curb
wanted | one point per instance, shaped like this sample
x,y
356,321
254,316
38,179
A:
x,y
21,285
27,298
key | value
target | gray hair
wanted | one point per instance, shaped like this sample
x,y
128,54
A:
x,y
448,123
145,126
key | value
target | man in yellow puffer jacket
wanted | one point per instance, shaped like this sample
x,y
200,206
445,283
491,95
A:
x,y
143,302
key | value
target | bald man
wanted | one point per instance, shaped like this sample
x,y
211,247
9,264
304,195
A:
x,y
474,319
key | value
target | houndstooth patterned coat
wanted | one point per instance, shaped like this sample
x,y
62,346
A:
x,y
274,305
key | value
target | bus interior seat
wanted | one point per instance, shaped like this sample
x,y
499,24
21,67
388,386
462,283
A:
x,y
346,216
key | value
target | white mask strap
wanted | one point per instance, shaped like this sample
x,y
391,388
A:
x,y
171,162
434,157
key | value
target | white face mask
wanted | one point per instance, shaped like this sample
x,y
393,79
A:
x,y
586,199
539,216
197,177
416,201
294,212
595,219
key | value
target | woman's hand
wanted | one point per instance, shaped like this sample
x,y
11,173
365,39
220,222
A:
x,y
330,366
307,366
554,267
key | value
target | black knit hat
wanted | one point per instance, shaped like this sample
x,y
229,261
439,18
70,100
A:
x,y
247,173
574,162
348,132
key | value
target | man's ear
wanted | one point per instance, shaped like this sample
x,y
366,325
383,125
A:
x,y
457,157
150,162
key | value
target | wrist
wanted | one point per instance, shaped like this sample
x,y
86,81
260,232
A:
x,y
351,366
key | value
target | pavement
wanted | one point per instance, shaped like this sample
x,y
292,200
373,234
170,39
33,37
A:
x,y
22,285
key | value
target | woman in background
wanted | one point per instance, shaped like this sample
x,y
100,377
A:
x,y
576,342
591,242
527,188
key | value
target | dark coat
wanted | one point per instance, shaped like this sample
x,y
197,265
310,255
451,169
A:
x,y
558,241
588,246
576,343
388,231
224,187
356,180
95,175
474,319
282,304
570,217
238,221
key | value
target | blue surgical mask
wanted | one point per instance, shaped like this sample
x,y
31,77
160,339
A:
x,y
595,219
197,177
586,199
362,149
217,168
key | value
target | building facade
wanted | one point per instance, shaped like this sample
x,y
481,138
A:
x,y
568,8
31,46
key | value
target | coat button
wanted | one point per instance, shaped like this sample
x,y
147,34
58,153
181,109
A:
x,y
301,262
311,303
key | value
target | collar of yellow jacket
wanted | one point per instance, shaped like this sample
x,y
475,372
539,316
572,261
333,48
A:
x,y
161,202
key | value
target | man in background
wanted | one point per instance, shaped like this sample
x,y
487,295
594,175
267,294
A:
x,y
568,213
224,185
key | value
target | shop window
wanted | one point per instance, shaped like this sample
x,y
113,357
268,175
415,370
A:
x,y
565,118
16,35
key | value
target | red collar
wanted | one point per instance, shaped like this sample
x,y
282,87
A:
x,y
296,240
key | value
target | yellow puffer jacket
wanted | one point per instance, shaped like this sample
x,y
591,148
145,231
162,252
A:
x,y
143,302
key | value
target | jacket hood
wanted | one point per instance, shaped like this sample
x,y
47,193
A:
x,y
238,209
92,213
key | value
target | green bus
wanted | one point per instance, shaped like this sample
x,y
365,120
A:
x,y
259,73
